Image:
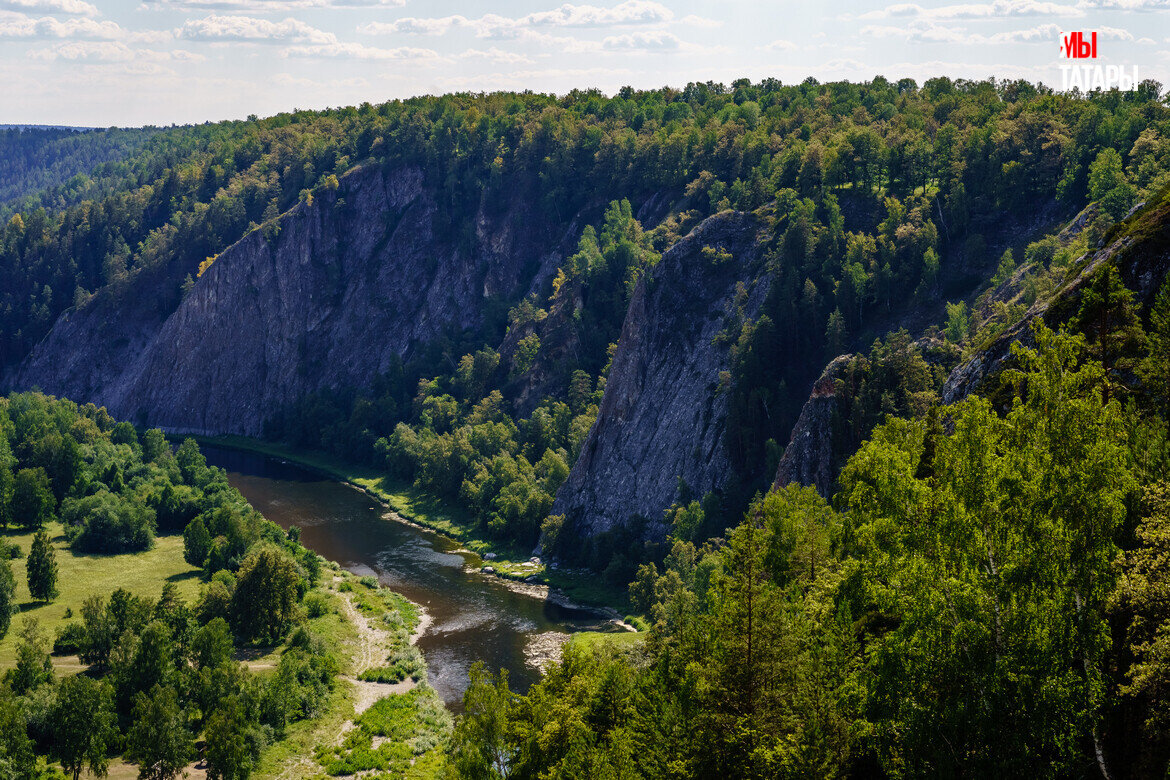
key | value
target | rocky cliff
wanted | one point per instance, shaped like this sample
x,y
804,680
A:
x,y
1140,248
809,459
344,283
662,417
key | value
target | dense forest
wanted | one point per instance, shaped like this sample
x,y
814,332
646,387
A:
x,y
978,587
163,684
985,594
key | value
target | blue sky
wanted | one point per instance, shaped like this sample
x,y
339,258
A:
x,y
132,62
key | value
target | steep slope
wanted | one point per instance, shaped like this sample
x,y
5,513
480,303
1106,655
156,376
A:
x,y
326,297
808,459
1139,247
662,418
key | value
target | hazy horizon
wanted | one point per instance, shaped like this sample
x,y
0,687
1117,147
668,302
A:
x,y
97,63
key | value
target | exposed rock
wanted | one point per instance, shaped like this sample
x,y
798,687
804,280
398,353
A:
x,y
352,280
808,458
1142,254
662,416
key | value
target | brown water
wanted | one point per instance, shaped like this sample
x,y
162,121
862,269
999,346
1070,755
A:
x,y
475,617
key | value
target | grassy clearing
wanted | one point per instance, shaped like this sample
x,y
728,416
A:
x,y
84,575
290,756
402,735
440,516
593,640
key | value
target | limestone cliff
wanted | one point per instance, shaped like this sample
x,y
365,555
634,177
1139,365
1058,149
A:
x,y
348,281
662,417
809,458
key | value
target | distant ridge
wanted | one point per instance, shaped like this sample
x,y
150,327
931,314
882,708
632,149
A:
x,y
48,127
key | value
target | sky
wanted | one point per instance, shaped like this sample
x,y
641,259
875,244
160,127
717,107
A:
x,y
136,62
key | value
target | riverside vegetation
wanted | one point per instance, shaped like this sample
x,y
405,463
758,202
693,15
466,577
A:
x,y
149,672
981,590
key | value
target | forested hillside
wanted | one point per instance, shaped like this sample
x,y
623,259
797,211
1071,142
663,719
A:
x,y
528,230
984,593
56,167
127,675
861,389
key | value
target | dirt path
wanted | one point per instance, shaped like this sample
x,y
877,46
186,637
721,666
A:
x,y
372,649
368,652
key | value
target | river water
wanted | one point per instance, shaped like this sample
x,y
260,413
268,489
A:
x,y
475,617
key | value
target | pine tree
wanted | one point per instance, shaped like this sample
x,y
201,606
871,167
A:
x,y
42,568
1155,369
1110,323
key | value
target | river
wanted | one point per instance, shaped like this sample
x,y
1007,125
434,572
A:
x,y
475,616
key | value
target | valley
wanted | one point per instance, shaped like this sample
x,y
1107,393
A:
x,y
349,442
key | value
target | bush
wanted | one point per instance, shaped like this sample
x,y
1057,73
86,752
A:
x,y
70,638
316,605
107,523
403,663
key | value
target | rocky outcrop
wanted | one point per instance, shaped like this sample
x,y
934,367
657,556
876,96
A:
x,y
1141,252
808,458
352,279
662,417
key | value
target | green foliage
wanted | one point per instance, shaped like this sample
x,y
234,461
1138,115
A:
x,y
159,740
958,322
33,666
412,729
263,605
959,613
1155,368
479,744
232,742
1108,184
42,568
402,663
32,499
1109,320
8,606
83,725
196,543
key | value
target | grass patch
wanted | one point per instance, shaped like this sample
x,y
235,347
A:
x,y
302,737
402,735
84,575
404,662
593,640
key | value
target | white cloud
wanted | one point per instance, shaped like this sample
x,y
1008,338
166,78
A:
x,y
47,28
625,14
780,45
629,12
657,40
289,80
264,6
416,26
252,30
110,51
1126,5
495,54
997,9
700,21
358,51
73,7
925,31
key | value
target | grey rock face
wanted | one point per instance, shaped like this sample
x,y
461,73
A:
x,y
808,458
662,417
353,279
